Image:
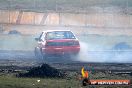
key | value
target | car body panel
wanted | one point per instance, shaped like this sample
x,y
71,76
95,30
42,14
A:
x,y
59,43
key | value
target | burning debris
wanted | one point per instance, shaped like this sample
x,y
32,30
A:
x,y
86,81
43,71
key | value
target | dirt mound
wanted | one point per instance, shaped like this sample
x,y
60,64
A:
x,y
43,71
14,32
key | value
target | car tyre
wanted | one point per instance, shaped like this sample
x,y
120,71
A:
x,y
38,54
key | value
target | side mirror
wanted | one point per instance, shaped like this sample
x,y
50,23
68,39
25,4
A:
x,y
37,39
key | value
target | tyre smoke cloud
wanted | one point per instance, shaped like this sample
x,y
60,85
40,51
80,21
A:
x,y
89,53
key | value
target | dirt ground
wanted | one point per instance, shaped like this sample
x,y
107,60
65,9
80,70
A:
x,y
8,70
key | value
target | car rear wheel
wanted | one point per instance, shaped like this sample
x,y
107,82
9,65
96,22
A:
x,y
44,56
38,54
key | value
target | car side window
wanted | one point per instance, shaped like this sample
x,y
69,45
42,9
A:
x,y
41,38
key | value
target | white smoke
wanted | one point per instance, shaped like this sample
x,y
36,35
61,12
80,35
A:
x,y
88,55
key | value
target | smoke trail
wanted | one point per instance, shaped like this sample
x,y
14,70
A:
x,y
114,56
85,55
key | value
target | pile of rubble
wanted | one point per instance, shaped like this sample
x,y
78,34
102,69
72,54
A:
x,y
43,71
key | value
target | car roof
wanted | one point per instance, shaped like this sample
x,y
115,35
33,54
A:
x,y
55,30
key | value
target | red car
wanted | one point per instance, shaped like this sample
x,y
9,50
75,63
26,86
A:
x,y
57,42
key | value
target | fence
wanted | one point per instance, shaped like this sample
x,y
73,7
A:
x,y
66,19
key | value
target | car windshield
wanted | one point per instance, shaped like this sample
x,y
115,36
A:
x,y
60,35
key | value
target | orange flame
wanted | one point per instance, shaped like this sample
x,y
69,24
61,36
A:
x,y
84,73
